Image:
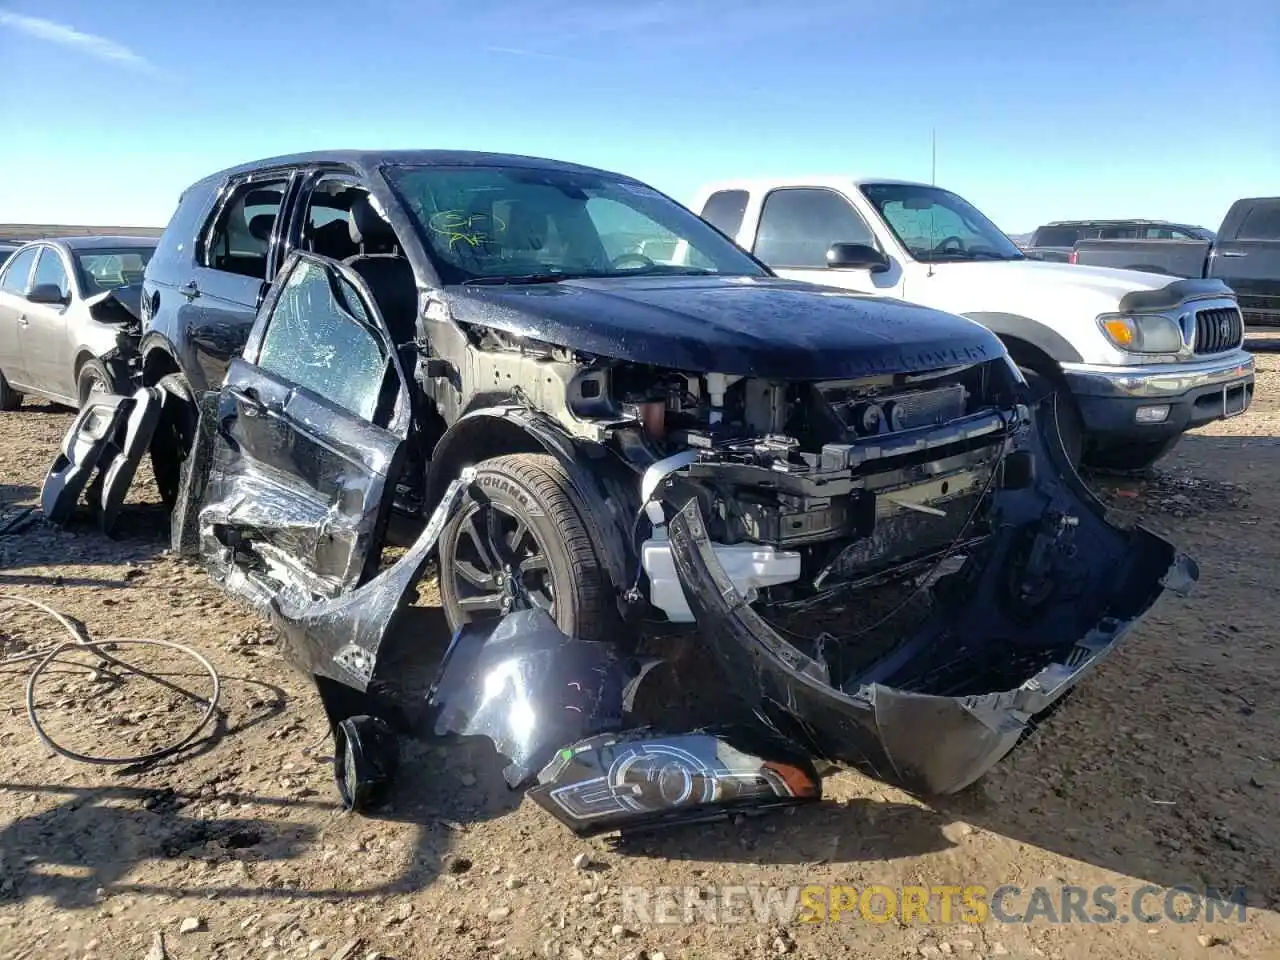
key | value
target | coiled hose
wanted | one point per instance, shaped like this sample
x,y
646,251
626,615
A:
x,y
78,641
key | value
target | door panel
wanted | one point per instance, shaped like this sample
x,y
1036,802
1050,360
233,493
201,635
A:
x,y
43,338
301,478
13,288
798,225
234,261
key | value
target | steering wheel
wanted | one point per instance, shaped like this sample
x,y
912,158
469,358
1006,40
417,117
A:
x,y
957,242
642,262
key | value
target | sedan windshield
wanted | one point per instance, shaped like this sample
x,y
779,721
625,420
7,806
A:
x,y
938,226
525,225
103,269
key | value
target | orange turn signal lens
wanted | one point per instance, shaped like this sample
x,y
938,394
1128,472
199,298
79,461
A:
x,y
1120,331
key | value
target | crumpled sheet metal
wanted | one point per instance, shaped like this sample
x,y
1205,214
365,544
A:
x,y
523,684
948,703
340,638
285,523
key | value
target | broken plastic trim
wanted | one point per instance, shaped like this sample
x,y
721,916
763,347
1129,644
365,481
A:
x,y
109,435
938,711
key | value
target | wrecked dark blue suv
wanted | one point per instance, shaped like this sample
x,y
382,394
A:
x,y
593,412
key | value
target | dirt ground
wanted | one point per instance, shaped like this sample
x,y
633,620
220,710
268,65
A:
x,y
1163,769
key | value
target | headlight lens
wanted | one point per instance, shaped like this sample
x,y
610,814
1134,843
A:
x,y
1142,333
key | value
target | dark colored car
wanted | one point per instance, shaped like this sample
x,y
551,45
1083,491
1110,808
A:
x,y
69,317
1055,241
7,247
594,412
1245,255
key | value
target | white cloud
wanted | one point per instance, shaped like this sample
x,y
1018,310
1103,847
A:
x,y
87,43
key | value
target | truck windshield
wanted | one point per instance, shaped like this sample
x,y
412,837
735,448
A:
x,y
520,225
938,226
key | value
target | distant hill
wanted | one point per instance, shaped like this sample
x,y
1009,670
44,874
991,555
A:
x,y
34,231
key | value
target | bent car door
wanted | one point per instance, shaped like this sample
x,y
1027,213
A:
x,y
311,421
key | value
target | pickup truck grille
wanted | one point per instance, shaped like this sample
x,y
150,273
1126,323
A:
x,y
1260,311
1218,330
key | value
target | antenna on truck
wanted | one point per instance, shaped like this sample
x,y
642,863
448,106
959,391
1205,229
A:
x,y
933,182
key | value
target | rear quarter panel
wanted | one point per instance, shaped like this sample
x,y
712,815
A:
x,y
172,265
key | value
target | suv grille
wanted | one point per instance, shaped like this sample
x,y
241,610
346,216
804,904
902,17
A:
x,y
1218,330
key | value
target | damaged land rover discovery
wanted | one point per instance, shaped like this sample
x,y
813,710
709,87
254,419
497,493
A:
x,y
593,411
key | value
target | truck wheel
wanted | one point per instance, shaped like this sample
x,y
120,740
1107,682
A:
x,y
1132,457
10,399
519,531
94,377
1052,397
174,435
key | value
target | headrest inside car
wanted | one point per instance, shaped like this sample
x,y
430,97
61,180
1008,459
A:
x,y
260,226
367,227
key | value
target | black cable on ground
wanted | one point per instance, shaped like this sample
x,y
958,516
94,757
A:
x,y
44,657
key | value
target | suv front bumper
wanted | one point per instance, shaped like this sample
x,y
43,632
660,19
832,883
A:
x,y
1196,393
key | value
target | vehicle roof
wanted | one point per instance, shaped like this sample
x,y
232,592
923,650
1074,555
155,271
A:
x,y
98,243
1082,223
366,160
834,181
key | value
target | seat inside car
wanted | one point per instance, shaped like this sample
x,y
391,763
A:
x,y
384,269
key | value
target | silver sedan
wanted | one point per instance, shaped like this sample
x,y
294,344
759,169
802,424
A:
x,y
70,317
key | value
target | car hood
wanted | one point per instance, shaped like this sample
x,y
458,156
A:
x,y
760,327
1030,287
106,307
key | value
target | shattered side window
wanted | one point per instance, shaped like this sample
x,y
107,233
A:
x,y
314,340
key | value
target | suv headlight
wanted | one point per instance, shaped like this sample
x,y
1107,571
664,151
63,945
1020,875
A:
x,y
1142,333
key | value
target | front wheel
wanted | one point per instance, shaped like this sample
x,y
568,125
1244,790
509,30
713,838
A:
x,y
174,435
1052,396
518,538
94,378
1132,457
10,399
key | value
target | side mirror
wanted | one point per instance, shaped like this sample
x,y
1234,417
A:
x,y
49,293
856,256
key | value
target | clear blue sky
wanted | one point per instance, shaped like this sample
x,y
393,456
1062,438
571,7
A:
x,y
1043,110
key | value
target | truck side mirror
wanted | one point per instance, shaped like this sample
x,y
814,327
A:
x,y
856,256
49,293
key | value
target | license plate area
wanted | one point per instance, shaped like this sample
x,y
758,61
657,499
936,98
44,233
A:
x,y
1235,399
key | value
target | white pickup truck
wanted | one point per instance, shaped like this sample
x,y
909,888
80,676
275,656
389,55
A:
x,y
1136,358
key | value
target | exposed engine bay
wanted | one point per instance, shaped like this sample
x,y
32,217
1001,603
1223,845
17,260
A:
x,y
805,485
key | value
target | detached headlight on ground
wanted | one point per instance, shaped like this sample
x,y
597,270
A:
x,y
646,779
1142,333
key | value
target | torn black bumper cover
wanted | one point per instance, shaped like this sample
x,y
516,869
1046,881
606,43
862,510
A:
x,y
1033,610
104,445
